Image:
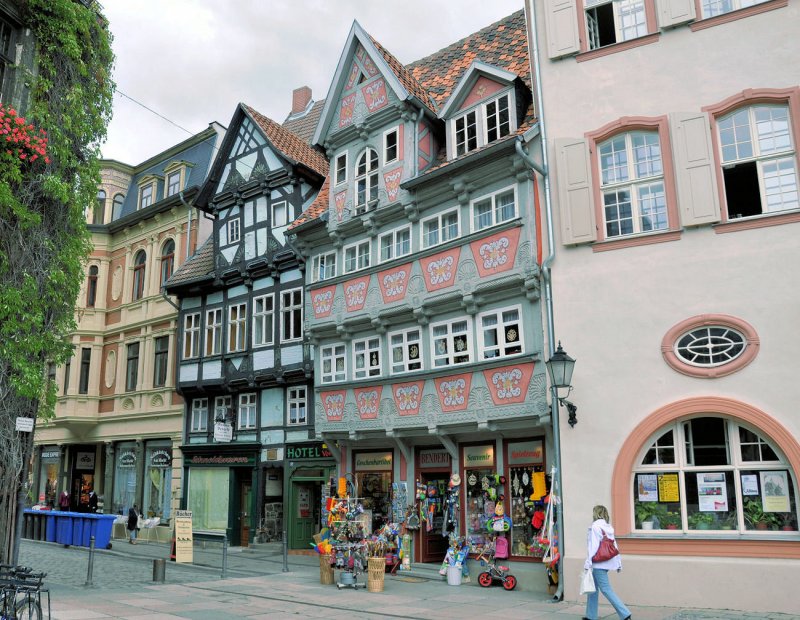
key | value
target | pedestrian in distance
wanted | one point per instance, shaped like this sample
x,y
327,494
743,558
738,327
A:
x,y
601,527
133,524
92,501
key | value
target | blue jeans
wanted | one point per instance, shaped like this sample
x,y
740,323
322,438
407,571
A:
x,y
602,584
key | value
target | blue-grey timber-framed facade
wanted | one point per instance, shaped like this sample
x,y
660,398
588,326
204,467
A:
x,y
245,369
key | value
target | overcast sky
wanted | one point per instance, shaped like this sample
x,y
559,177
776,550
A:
x,y
192,61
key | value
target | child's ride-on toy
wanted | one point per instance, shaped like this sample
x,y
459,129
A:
x,y
497,550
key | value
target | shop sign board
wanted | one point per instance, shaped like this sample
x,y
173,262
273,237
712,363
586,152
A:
x,y
223,432
307,451
126,459
525,453
51,455
85,461
479,456
218,459
24,425
373,461
160,459
429,459
183,536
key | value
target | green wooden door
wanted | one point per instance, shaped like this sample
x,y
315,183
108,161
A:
x,y
305,497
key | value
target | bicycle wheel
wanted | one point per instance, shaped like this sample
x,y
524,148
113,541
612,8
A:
x,y
28,609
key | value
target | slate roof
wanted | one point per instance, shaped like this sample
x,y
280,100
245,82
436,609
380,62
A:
x,y
316,208
199,265
303,126
290,144
503,44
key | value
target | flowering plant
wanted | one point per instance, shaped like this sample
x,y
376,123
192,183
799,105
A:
x,y
20,142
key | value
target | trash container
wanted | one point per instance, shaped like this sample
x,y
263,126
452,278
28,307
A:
x,y
454,575
102,526
50,529
64,528
77,529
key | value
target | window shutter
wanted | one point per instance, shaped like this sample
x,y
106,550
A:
x,y
673,13
695,169
561,23
575,191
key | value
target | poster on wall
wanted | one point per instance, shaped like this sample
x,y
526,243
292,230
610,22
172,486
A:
x,y
749,484
303,503
668,488
712,492
774,491
647,485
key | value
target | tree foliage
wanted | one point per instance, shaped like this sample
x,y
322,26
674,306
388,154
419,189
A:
x,y
43,237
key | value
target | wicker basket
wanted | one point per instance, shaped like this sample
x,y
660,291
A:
x,y
325,569
376,572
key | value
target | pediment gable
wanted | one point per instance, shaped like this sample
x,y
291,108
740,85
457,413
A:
x,y
479,82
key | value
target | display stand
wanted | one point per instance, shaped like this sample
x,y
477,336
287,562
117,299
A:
x,y
348,541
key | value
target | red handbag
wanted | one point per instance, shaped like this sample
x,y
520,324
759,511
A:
x,y
606,550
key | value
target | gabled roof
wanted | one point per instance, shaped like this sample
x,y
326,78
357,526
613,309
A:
x,y
316,208
197,267
475,70
408,81
503,44
303,125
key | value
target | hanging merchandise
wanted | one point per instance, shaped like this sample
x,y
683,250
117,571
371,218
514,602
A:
x,y
549,538
399,502
405,552
452,505
500,522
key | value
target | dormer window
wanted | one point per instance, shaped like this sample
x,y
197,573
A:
x,y
146,196
173,183
482,125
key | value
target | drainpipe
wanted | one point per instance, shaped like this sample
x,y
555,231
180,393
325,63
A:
x,y
548,290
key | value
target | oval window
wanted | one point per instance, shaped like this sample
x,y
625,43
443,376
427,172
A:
x,y
710,345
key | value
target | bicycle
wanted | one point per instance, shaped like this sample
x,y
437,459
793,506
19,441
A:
x,y
21,593
488,556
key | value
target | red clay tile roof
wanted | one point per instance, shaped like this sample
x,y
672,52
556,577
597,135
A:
x,y
316,208
504,44
408,81
303,126
289,144
199,265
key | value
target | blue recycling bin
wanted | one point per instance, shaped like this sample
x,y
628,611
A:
x,y
64,528
101,528
50,532
87,530
77,528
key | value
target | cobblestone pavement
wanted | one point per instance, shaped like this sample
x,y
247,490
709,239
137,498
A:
x,y
257,587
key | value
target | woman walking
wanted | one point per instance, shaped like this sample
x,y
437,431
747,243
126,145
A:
x,y
601,527
133,523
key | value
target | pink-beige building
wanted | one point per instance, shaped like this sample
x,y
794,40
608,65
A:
x,y
672,130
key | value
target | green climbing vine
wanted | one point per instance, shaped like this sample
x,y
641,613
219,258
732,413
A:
x,y
49,174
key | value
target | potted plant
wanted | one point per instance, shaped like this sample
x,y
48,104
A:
x,y
729,522
788,523
649,514
755,516
670,520
701,521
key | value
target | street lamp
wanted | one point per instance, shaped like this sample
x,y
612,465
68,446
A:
x,y
560,367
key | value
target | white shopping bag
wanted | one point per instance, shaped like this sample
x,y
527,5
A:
x,y
587,582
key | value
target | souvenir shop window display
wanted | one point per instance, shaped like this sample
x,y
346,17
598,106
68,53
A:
x,y
485,490
527,489
375,491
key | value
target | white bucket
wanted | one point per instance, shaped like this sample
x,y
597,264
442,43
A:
x,y
454,575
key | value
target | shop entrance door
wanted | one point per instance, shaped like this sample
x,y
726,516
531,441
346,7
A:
x,y
303,513
434,545
245,502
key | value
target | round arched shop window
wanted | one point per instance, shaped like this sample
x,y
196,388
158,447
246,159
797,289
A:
x,y
710,345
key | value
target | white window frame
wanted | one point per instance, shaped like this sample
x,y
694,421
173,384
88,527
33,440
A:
x,y
332,353
224,402
622,31
494,212
151,198
340,165
288,309
634,183
394,243
448,358
263,317
758,156
357,248
386,134
500,327
168,184
476,127
321,264
199,419
405,343
712,8
213,332
191,335
234,228
440,228
276,206
237,327
366,370
370,179
296,401
247,414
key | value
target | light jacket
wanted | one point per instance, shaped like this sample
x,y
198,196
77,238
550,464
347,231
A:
x,y
596,531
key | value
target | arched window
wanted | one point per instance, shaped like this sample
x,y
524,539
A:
x,y
91,287
116,211
366,180
99,208
138,274
713,473
167,260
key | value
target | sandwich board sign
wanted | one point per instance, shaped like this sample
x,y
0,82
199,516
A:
x,y
183,536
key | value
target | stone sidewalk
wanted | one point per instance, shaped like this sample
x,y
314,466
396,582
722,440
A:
x,y
257,587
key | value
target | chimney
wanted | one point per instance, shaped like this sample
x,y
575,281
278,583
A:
x,y
300,99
